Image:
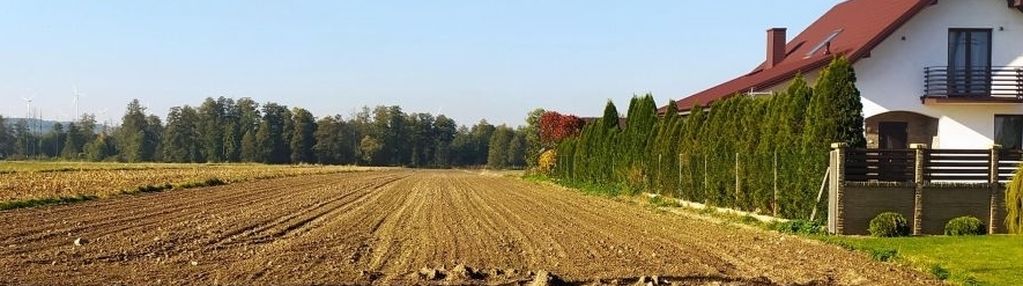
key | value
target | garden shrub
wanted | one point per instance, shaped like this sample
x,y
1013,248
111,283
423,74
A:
x,y
940,272
889,224
547,160
965,225
1014,203
883,254
800,227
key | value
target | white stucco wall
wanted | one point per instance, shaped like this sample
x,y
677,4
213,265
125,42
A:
x,y
891,79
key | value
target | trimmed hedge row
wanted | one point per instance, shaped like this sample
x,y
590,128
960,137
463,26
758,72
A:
x,y
728,155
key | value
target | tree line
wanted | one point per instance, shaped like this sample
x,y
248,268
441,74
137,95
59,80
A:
x,y
242,130
762,154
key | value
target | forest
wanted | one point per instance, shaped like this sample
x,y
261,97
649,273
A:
x,y
229,130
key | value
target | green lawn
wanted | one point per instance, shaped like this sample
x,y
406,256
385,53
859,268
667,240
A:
x,y
978,260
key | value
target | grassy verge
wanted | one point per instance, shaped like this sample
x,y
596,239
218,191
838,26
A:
x,y
95,191
10,205
590,189
30,203
959,260
963,260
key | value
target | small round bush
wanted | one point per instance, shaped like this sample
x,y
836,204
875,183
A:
x,y
965,225
889,224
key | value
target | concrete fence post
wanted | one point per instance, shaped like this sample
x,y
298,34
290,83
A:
x,y
738,183
996,193
836,178
774,199
919,166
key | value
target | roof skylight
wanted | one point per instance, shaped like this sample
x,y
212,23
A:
x,y
827,40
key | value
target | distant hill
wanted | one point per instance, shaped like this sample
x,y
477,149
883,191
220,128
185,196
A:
x,y
37,126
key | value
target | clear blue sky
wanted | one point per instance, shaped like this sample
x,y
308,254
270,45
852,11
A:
x,y
467,59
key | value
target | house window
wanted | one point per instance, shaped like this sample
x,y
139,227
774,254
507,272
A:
x,y
1009,131
969,62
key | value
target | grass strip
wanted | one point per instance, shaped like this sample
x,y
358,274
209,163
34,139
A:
x,y
10,205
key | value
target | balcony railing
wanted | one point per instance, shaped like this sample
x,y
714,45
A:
x,y
974,83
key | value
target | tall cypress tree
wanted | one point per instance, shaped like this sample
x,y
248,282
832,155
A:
x,y
835,112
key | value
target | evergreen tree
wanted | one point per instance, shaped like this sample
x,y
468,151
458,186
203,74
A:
x,y
73,143
151,138
445,130
497,152
332,145
531,134
99,149
463,148
210,127
179,139
610,119
52,143
250,151
132,134
6,139
517,149
25,142
304,137
274,135
243,117
480,135
421,138
835,112
370,149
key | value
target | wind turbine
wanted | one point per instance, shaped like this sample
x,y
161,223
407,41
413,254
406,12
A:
x,y
102,115
28,105
77,95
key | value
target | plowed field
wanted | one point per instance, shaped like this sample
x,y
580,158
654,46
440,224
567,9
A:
x,y
403,227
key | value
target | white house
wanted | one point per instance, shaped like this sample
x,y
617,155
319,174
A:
x,y
947,73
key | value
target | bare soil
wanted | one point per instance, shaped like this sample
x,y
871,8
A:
x,y
405,227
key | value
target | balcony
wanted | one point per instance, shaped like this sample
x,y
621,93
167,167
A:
x,y
978,85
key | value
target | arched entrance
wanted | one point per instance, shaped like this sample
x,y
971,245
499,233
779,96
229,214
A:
x,y
899,129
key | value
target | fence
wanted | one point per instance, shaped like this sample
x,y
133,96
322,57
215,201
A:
x,y
930,186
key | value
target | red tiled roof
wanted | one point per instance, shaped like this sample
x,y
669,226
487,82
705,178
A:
x,y
863,24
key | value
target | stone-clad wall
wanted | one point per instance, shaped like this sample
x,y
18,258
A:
x,y
861,202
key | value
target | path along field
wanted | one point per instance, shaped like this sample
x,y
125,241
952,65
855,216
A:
x,y
389,227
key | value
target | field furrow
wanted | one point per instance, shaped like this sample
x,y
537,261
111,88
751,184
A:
x,y
386,227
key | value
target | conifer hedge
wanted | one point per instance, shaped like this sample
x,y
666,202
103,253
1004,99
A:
x,y
729,154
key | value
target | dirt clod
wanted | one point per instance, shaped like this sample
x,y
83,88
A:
x,y
544,278
462,272
431,274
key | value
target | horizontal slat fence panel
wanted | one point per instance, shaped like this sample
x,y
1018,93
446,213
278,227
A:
x,y
950,165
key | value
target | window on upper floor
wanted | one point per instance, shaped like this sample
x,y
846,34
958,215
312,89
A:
x,y
969,62
969,47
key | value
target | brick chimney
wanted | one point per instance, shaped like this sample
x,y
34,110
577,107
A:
x,y
775,46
